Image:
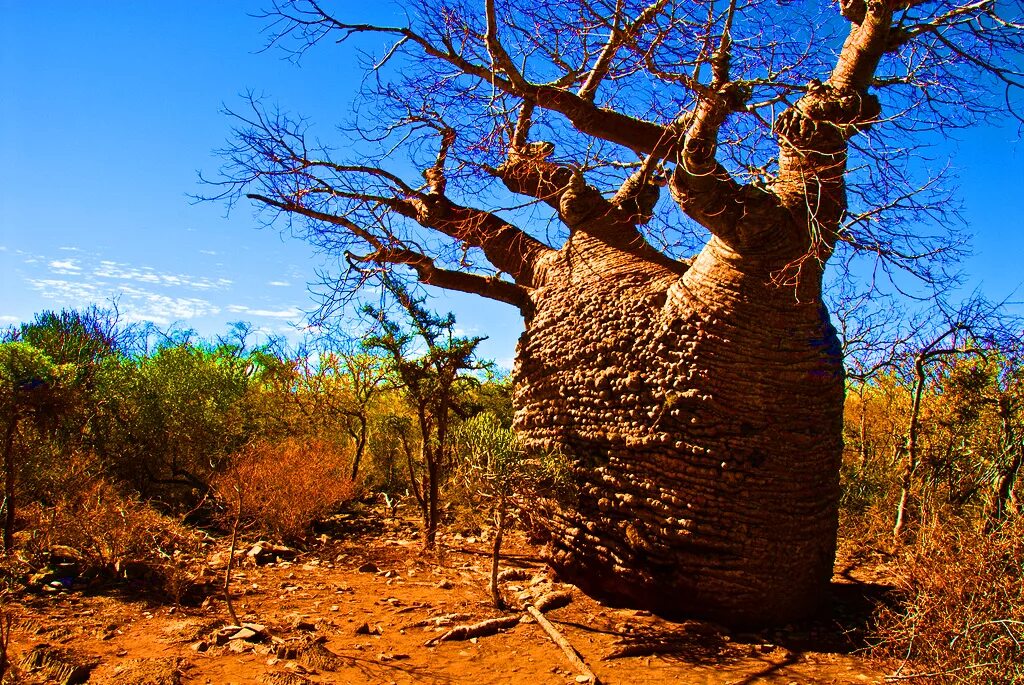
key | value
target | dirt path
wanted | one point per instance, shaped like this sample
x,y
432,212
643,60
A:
x,y
326,621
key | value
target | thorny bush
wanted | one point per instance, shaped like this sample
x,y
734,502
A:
x,y
284,487
110,534
961,618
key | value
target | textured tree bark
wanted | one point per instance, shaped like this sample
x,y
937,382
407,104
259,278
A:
x,y
702,410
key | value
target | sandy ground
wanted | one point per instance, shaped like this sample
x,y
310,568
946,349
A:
x,y
320,619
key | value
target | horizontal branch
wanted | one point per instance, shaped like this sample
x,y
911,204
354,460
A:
x,y
429,273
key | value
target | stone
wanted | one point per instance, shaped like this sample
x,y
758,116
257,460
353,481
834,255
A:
x,y
263,553
367,629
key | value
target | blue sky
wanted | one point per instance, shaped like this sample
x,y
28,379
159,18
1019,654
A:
x,y
108,110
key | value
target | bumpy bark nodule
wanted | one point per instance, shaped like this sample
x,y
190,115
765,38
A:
x,y
702,409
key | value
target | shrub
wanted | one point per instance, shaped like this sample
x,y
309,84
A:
x,y
961,618
286,486
109,533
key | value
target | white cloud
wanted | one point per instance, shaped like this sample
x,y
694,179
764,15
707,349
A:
x,y
149,275
209,252
74,293
65,266
279,284
287,313
136,304
7,318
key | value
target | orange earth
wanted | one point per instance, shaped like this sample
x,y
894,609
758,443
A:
x,y
320,619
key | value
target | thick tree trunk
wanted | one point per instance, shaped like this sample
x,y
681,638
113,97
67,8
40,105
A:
x,y
703,411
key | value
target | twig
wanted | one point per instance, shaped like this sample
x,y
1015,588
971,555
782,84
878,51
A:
x,y
911,676
231,559
499,533
559,639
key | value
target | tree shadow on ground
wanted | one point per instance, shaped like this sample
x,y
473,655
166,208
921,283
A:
x,y
843,627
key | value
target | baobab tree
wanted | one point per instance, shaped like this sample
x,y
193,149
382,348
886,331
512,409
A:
x,y
677,347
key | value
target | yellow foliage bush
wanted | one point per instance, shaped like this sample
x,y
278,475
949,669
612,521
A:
x,y
286,486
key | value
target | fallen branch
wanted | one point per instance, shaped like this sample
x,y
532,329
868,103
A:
x,y
912,676
559,639
481,629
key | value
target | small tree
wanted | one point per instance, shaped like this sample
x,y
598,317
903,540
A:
x,y
349,383
430,363
494,465
986,397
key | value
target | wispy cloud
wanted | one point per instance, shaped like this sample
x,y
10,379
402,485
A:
x,y
65,266
165,309
74,293
136,304
7,318
286,313
149,275
79,278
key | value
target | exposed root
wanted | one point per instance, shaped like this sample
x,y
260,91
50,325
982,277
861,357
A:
x,y
553,600
481,629
515,574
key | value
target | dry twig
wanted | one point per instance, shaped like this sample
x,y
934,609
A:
x,y
559,639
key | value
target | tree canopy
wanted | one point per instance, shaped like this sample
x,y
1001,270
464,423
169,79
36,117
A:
x,y
753,114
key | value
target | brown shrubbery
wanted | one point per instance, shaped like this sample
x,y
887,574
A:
x,y
286,486
109,534
961,618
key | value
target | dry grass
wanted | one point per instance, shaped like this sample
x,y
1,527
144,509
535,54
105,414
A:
x,y
961,619
109,533
287,486
6,624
